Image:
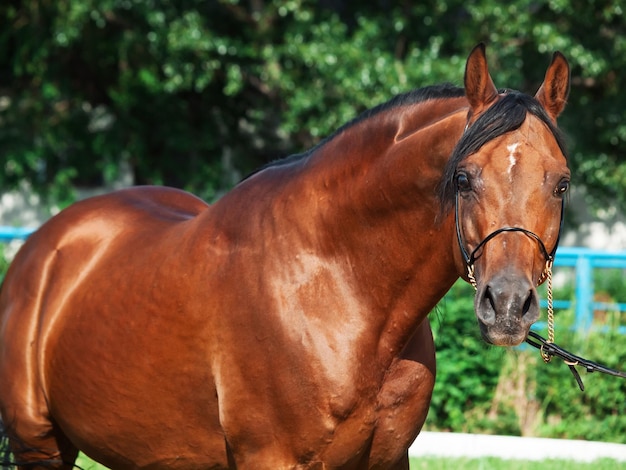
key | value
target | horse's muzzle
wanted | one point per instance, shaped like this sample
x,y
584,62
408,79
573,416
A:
x,y
506,307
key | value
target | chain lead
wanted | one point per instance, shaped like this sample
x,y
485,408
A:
x,y
548,274
470,276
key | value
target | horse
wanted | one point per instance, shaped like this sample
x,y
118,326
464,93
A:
x,y
285,326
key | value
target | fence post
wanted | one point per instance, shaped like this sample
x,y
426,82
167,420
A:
x,y
584,293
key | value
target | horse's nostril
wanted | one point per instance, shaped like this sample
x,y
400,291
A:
x,y
489,297
528,303
506,299
486,307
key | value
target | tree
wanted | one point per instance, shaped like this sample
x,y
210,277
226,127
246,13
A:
x,y
196,93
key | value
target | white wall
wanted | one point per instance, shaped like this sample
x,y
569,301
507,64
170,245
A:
x,y
603,229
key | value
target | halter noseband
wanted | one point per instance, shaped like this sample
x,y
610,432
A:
x,y
470,258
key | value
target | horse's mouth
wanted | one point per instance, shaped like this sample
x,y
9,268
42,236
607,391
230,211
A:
x,y
504,333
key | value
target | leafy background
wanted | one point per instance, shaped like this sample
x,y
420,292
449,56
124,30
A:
x,y
195,93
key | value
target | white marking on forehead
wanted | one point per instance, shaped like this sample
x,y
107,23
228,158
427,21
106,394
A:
x,y
512,159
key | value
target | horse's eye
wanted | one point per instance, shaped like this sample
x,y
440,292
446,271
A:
x,y
561,188
462,182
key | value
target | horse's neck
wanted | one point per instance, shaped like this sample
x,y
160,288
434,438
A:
x,y
383,219
358,217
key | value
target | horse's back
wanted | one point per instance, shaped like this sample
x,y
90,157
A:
x,y
86,320
150,204
79,236
134,209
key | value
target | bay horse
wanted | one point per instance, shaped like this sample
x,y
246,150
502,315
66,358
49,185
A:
x,y
285,326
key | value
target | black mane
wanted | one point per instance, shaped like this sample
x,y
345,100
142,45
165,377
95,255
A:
x,y
404,99
504,116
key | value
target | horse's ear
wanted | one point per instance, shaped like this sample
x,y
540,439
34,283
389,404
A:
x,y
479,88
554,90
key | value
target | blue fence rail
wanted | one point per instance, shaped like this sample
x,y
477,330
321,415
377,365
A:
x,y
583,260
8,234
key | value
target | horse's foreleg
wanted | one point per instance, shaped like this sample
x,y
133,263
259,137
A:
x,y
404,400
36,447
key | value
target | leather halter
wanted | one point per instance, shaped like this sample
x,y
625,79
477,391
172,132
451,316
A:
x,y
470,258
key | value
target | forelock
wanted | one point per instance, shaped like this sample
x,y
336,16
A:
x,y
506,115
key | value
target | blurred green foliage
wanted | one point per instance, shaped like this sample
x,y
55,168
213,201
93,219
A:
x,y
195,93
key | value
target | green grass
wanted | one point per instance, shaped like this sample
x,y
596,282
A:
x,y
487,463
492,463
86,463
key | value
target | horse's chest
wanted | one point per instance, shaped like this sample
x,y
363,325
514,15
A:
x,y
304,367
345,427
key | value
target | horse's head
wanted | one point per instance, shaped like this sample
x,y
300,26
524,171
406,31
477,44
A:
x,y
506,181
